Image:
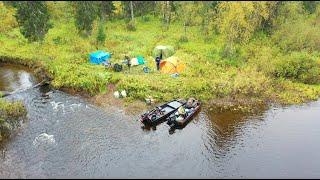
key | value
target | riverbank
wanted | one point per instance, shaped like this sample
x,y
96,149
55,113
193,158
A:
x,y
237,82
135,105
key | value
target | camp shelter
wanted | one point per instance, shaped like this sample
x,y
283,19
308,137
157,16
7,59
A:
x,y
171,65
137,61
99,56
166,51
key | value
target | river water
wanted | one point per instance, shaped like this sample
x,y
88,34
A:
x,y
64,136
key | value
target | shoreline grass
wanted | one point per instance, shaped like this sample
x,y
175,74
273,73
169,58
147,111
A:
x,y
11,114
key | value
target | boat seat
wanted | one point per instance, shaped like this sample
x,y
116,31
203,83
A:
x,y
174,104
167,109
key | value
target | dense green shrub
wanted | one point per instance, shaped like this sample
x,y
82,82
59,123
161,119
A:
x,y
183,39
101,37
145,18
298,35
298,66
262,55
10,114
310,6
231,55
7,20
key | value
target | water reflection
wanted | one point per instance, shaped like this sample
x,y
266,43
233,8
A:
x,y
225,129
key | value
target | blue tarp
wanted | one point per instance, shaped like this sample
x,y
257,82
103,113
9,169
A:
x,y
140,60
99,56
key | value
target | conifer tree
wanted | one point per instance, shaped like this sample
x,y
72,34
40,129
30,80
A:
x,y
86,13
33,19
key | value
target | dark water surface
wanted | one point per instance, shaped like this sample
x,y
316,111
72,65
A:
x,y
82,140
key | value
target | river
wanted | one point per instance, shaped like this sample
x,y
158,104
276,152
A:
x,y
85,141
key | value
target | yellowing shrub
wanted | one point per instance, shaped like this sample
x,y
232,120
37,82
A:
x,y
7,20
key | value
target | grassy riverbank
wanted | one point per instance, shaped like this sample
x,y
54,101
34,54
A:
x,y
10,115
253,74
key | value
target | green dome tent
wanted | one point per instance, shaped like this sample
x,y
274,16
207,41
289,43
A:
x,y
167,51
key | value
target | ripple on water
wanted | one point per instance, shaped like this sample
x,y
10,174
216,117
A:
x,y
44,138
